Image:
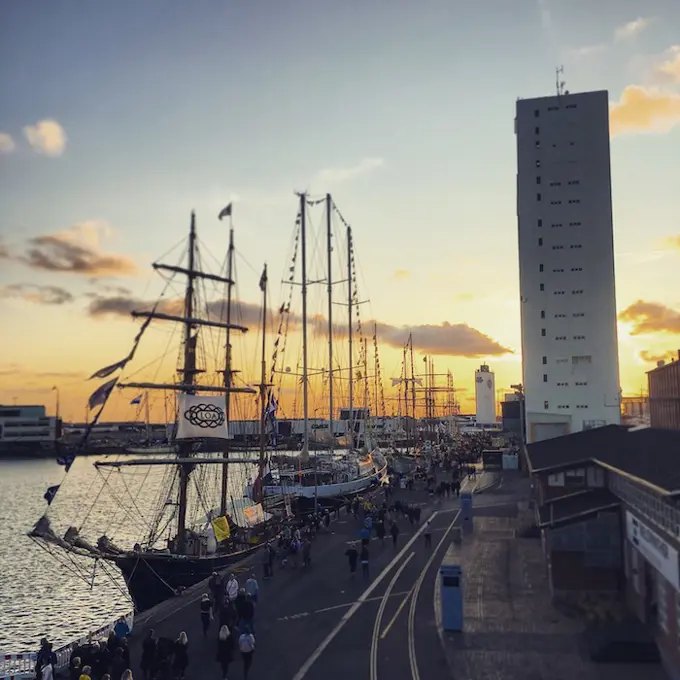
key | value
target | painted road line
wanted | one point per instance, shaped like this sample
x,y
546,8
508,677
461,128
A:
x,y
396,614
415,673
304,669
345,605
312,659
379,617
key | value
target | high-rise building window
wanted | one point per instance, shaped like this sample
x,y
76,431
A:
x,y
545,405
543,332
537,130
543,314
545,377
538,179
545,360
539,223
542,286
540,243
538,197
540,266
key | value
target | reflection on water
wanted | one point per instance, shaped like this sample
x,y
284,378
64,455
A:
x,y
64,596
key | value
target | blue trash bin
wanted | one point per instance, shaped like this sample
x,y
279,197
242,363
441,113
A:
x,y
451,586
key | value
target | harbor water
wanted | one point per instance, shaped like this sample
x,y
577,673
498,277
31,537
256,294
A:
x,y
48,592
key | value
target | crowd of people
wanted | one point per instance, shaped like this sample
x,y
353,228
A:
x,y
233,605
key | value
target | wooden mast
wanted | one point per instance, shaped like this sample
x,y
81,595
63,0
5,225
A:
x,y
329,253
305,377
188,378
263,382
350,332
227,372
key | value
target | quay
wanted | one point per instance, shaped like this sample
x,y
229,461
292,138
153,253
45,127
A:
x,y
318,623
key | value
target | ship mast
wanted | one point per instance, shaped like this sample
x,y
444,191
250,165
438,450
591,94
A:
x,y
350,331
227,372
263,378
188,379
305,376
413,387
329,252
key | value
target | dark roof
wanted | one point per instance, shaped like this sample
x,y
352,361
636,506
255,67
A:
x,y
651,454
576,506
573,448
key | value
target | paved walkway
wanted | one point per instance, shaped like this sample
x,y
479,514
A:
x,y
511,629
319,624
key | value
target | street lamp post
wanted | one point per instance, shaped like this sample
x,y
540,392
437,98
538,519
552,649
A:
x,y
56,389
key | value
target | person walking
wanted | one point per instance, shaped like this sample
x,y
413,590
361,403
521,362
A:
x,y
353,556
225,650
364,561
253,588
181,657
428,534
206,613
246,645
394,530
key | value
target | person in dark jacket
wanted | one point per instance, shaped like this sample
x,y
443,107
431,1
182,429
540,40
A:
x,y
148,660
118,665
181,660
225,650
206,613
246,612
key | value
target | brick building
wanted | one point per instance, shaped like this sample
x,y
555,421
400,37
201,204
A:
x,y
664,395
607,504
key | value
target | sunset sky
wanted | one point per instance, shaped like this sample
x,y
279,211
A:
x,y
119,118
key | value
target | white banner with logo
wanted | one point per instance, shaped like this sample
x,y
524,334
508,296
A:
x,y
200,416
654,549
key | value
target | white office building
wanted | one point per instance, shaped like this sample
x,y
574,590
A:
x,y
566,264
485,396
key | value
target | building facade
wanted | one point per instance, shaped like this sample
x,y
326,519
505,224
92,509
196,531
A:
x,y
485,395
606,506
664,395
566,264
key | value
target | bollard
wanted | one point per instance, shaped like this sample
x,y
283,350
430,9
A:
x,y
456,536
466,511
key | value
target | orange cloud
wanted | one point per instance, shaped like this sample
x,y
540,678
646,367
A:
x,y
46,137
651,317
644,110
444,339
75,250
672,242
669,69
401,274
654,358
43,295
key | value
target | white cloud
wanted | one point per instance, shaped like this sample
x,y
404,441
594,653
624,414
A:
x,y
7,144
337,175
587,51
46,137
669,69
632,28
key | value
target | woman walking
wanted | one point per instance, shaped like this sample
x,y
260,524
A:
x,y
206,613
225,650
246,645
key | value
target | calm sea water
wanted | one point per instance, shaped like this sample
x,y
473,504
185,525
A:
x,y
62,596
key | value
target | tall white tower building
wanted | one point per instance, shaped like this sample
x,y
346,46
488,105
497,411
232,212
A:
x,y
485,395
566,264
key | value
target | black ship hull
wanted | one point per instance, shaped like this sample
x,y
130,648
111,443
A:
x,y
152,578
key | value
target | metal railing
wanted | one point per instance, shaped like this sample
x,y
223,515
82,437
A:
x,y
22,665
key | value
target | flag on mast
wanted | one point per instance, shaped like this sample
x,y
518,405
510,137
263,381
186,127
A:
x,y
263,279
226,212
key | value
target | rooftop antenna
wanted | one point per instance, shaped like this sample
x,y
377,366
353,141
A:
x,y
559,83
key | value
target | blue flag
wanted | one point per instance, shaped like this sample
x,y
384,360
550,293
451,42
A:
x,y
51,493
66,461
137,400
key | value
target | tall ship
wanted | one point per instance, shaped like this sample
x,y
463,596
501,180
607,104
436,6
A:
x,y
350,463
193,518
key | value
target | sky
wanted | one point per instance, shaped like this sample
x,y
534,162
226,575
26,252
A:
x,y
119,119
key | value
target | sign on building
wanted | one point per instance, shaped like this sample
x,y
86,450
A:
x,y
654,549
